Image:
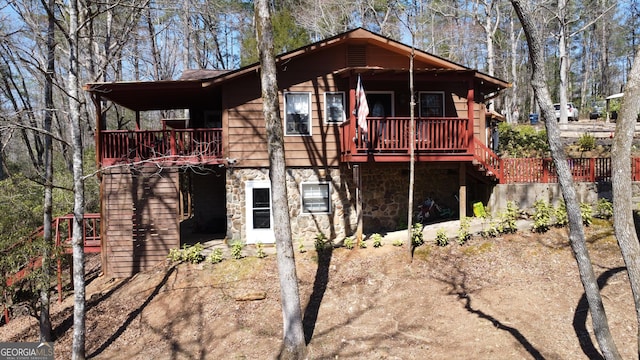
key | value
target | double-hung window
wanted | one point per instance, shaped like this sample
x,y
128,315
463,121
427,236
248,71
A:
x,y
334,107
316,198
297,107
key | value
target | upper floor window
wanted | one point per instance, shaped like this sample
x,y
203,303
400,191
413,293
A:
x,y
297,107
316,198
334,107
431,104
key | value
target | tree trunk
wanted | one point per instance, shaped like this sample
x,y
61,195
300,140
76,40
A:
x,y
562,53
45,317
576,231
623,221
293,333
77,243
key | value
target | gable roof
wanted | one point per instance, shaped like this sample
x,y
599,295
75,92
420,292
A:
x,y
194,86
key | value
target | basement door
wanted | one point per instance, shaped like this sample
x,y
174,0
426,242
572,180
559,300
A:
x,y
258,213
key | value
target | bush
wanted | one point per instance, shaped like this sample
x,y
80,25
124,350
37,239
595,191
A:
x,y
441,238
463,232
586,142
417,237
522,140
542,216
561,215
604,209
587,214
215,256
236,250
348,242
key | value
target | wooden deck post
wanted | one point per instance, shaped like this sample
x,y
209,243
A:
x,y
357,177
462,191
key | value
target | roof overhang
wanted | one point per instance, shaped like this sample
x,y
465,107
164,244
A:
x,y
152,95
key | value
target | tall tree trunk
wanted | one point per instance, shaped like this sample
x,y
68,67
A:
x,y
293,332
576,231
562,53
77,241
623,221
45,317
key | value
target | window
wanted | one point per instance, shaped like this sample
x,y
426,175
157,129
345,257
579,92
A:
x,y
297,113
316,198
334,107
431,104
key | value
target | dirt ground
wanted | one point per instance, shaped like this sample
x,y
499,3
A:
x,y
512,297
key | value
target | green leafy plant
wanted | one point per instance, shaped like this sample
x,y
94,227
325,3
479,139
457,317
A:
x,y
522,140
441,238
321,242
561,215
541,216
398,242
301,248
604,209
175,255
586,142
349,242
377,240
586,211
193,254
215,256
260,251
236,249
509,218
464,233
417,236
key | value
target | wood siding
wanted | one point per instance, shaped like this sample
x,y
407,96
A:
x,y
141,212
243,122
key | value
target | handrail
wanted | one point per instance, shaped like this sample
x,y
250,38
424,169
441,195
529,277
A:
x,y
487,158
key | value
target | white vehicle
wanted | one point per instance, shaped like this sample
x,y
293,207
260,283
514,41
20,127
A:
x,y
572,112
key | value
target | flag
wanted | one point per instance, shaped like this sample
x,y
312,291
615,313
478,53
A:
x,y
363,107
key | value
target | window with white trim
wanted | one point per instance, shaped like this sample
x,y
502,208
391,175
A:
x,y
297,107
334,107
316,197
431,104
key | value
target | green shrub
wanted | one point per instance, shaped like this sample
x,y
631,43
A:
x,y
301,246
604,209
321,242
260,251
417,237
522,140
561,215
508,219
348,242
192,254
236,250
377,240
215,256
586,142
542,216
398,242
441,238
586,211
463,232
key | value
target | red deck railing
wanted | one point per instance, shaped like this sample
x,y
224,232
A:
x,y
391,134
537,170
176,145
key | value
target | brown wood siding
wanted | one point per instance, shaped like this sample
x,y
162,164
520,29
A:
x,y
141,212
243,122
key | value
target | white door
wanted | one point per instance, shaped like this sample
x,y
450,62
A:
x,y
258,213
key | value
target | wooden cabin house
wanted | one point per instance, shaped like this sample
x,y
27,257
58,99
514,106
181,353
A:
x,y
208,171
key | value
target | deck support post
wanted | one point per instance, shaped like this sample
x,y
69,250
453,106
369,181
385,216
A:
x,y
462,191
357,179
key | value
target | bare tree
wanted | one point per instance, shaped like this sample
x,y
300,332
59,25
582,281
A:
x,y
623,221
77,241
576,231
293,332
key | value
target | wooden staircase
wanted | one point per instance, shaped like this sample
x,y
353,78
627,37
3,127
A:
x,y
486,161
62,232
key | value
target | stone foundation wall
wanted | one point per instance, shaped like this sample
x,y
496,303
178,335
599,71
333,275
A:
x,y
339,223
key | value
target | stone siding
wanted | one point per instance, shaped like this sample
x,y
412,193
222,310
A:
x,y
339,223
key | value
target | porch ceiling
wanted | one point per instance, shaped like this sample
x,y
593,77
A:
x,y
157,95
